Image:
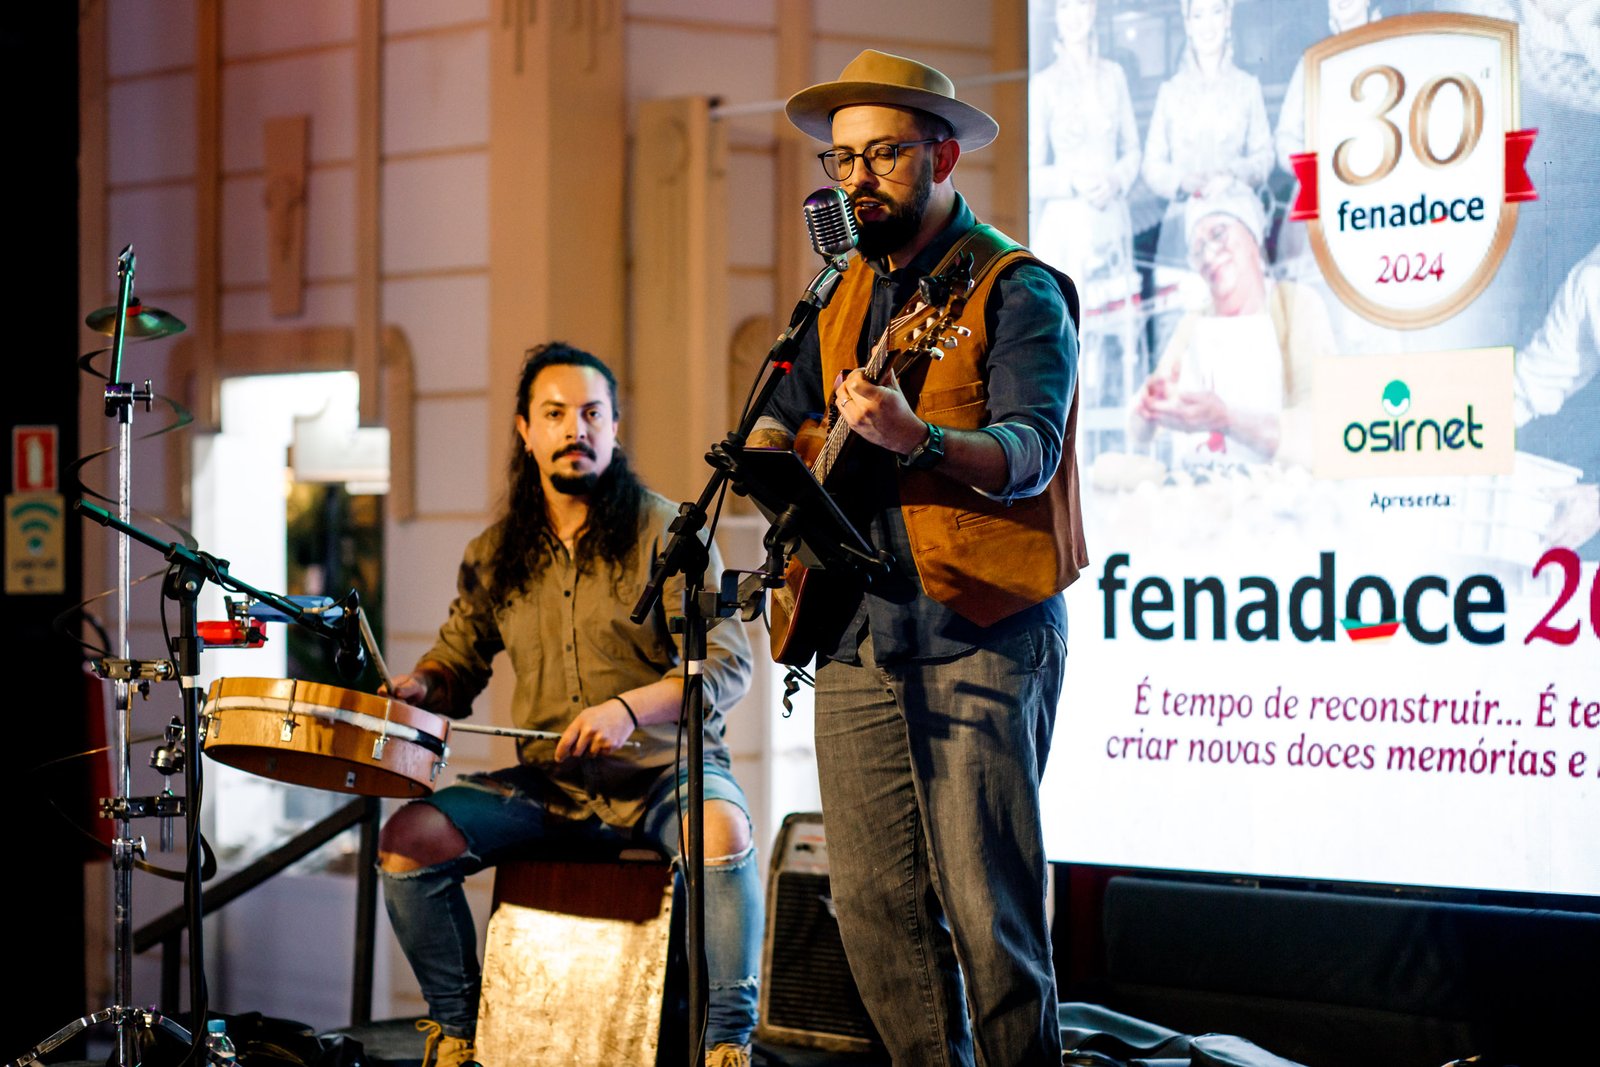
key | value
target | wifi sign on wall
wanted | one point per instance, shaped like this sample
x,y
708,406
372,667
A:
x,y
34,549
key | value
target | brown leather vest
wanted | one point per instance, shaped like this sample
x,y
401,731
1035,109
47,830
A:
x,y
983,559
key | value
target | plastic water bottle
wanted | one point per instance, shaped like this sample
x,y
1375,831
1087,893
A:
x,y
219,1045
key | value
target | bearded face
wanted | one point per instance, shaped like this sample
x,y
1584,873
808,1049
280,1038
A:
x,y
888,218
890,208
571,428
574,484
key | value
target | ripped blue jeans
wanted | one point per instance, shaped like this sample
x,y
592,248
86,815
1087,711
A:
x,y
428,907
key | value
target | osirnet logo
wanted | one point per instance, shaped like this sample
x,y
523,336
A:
x,y
1399,434
1428,414
1397,398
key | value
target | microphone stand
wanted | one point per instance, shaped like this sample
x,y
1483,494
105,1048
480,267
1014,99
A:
x,y
188,576
687,555
324,624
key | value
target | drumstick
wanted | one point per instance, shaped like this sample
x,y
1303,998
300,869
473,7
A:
x,y
372,647
516,731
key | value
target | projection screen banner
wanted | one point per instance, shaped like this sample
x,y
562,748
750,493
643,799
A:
x,y
1339,436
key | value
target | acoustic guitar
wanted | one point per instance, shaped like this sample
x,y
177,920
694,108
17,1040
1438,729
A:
x,y
813,605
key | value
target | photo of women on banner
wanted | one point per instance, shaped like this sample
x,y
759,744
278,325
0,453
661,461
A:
x,y
1209,126
1083,132
1414,163
1235,375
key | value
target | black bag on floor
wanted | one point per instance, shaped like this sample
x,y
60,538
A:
x,y
262,1041
1098,1037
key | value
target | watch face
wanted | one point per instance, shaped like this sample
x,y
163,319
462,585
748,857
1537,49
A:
x,y
929,452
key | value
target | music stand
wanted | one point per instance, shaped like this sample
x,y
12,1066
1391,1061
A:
x,y
806,521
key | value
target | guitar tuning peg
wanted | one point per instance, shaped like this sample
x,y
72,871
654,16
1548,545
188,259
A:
x,y
963,331
916,334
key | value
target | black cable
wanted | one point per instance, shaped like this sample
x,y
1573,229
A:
x,y
59,626
166,630
194,843
698,1052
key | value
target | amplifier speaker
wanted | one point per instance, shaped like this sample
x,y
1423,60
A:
x,y
808,996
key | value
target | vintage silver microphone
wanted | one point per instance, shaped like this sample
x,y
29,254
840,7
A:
x,y
831,223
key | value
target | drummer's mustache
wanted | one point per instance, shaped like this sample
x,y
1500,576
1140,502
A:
x,y
576,449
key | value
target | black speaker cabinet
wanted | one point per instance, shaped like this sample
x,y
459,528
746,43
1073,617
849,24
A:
x,y
808,997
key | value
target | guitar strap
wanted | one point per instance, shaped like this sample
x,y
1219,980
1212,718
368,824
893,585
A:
x,y
986,244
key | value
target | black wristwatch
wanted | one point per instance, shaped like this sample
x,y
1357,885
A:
x,y
927,455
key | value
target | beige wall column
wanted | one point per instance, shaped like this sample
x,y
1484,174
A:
x,y
557,135
678,355
206,329
1009,196
369,205
795,172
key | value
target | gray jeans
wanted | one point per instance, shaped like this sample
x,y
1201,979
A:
x,y
930,792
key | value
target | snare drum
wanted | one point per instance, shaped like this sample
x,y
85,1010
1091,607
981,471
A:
x,y
325,737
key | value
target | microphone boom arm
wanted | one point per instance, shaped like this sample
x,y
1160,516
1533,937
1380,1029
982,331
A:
x,y
815,298
214,569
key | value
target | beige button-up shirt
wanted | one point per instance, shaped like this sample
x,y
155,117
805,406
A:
x,y
572,645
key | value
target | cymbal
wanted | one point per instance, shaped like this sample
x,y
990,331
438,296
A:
x,y
141,321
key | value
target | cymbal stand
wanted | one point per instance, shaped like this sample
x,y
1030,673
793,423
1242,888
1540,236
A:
x,y
126,849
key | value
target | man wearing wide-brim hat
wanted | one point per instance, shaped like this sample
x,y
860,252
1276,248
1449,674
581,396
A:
x,y
936,694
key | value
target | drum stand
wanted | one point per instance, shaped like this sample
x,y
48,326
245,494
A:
x,y
126,850
188,575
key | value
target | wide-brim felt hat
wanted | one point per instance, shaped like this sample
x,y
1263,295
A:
x,y
876,77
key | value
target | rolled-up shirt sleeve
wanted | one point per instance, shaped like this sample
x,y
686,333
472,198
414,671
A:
x,y
1032,370
799,396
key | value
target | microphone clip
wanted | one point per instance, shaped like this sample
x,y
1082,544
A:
x,y
350,650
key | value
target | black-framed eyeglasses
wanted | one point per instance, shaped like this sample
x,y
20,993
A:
x,y
881,158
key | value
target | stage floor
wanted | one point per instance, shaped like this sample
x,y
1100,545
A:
x,y
397,1043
